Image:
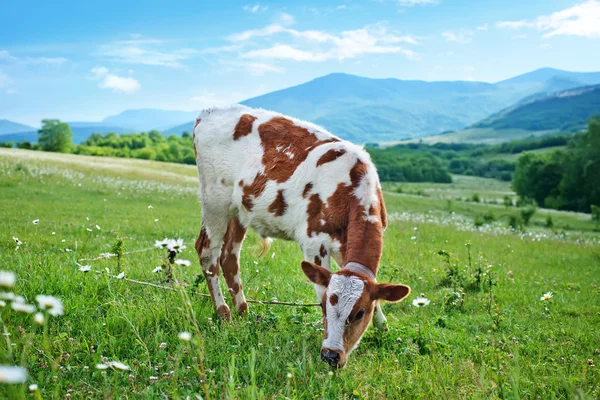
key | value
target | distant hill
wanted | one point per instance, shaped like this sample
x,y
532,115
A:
x,y
81,131
567,110
380,110
387,110
147,119
7,126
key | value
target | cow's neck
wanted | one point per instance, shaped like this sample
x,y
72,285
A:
x,y
364,242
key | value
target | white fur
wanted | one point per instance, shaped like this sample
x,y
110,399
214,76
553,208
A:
x,y
348,290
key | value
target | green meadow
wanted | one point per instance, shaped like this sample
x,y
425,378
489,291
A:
x,y
487,333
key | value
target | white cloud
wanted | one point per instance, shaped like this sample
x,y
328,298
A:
x,y
519,37
372,39
147,51
255,8
7,58
580,20
117,83
483,27
410,3
462,36
258,69
4,80
545,46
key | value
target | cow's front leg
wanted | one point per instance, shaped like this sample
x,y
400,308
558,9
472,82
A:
x,y
208,247
230,263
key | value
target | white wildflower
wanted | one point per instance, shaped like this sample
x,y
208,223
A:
x,y
10,296
2,303
119,365
97,227
11,374
88,229
546,296
36,221
162,346
7,279
33,387
85,268
52,304
150,207
420,302
185,263
121,275
17,241
157,269
185,336
289,375
161,244
23,307
39,318
176,245
101,366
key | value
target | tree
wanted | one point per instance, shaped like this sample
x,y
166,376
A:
x,y
55,136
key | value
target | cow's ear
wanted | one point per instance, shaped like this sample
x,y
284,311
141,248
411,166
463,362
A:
x,y
390,292
315,273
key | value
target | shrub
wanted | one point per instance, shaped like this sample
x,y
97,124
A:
x,y
475,198
515,222
595,213
508,201
549,222
527,213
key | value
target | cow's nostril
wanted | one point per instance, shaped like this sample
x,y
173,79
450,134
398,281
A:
x,y
330,357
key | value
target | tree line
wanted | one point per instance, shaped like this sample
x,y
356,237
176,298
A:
x,y
565,179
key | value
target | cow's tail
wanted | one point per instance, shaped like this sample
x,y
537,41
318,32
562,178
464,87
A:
x,y
265,244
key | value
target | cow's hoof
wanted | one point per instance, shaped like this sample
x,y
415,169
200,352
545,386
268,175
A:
x,y
224,313
243,308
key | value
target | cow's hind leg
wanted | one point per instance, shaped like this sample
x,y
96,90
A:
x,y
208,246
230,262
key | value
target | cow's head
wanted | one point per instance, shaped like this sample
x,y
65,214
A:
x,y
348,304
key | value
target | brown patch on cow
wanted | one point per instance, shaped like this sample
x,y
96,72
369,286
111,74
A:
x,y
330,155
317,260
307,190
322,251
223,182
333,299
253,190
203,242
286,146
342,217
244,126
278,206
242,308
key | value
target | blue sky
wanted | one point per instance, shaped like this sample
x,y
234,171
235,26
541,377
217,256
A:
x,y
84,60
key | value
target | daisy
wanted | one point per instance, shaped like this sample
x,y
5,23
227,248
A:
x,y
121,275
7,279
39,318
420,302
36,221
546,296
85,268
185,263
176,245
17,241
10,296
185,336
33,387
52,304
2,303
22,307
150,207
97,227
161,244
10,374
101,366
157,269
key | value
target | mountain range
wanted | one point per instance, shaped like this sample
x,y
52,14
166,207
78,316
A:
x,y
378,110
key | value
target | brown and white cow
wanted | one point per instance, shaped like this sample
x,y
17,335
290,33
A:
x,y
293,180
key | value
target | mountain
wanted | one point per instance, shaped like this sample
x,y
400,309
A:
x,y
386,110
567,110
7,126
147,119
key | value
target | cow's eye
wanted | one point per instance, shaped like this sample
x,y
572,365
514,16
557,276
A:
x,y
359,315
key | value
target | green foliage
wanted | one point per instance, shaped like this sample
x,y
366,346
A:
x,y
507,201
595,213
549,222
8,145
55,136
475,198
568,180
527,213
515,222
402,166
25,145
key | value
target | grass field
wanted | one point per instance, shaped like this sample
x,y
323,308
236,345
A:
x,y
480,135
486,333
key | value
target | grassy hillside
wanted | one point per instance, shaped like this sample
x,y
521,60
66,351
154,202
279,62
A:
x,y
481,346
566,111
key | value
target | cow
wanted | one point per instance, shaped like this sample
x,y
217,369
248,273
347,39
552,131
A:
x,y
293,180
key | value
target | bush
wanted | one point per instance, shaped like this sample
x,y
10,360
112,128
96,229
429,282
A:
x,y
595,213
527,213
475,198
489,217
508,201
8,145
549,222
515,222
24,145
